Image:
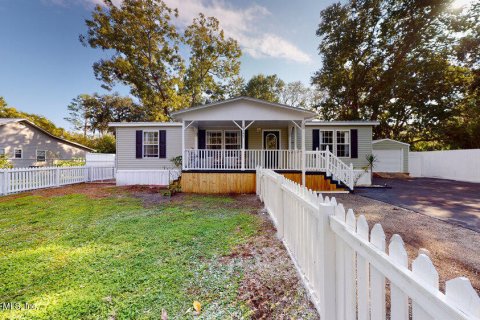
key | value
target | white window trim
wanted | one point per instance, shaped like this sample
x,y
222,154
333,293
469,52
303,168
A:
x,y
334,135
15,153
279,138
221,138
143,144
224,138
349,143
36,155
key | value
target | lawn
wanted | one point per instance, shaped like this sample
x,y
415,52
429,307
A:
x,y
77,256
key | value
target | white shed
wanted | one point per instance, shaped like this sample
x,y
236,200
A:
x,y
392,155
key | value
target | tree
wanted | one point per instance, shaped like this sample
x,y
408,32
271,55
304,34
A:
x,y
263,87
297,94
389,60
92,113
144,42
213,59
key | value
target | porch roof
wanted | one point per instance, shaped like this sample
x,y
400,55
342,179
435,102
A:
x,y
242,108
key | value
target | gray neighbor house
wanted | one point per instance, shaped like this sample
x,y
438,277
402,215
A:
x,y
27,145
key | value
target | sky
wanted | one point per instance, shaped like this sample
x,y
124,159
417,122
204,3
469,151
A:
x,y
43,66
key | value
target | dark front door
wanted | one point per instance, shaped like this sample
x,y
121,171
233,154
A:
x,y
271,143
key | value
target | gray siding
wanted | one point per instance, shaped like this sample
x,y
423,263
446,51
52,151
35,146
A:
x,y
364,142
126,158
29,139
394,145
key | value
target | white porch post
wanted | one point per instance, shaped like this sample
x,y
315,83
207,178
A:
x,y
303,154
295,142
184,160
243,145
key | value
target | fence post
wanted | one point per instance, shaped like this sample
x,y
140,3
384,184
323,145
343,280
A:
x,y
57,176
327,268
3,182
281,206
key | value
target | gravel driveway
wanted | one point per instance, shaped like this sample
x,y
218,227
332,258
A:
x,y
453,201
454,250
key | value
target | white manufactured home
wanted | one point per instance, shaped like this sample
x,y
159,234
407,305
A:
x,y
222,143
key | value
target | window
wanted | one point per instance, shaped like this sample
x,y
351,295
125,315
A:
x,y
326,140
233,140
2,151
18,153
150,144
214,140
41,155
343,143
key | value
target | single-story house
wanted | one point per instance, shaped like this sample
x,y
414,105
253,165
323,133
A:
x,y
26,145
392,155
222,143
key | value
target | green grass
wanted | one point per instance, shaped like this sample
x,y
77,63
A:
x,y
76,257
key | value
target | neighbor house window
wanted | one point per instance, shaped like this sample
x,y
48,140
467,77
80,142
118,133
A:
x,y
18,153
2,151
214,140
233,140
41,155
150,144
343,143
326,140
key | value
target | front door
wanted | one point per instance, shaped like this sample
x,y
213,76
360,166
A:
x,y
271,143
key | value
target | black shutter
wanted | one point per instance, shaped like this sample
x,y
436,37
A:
x,y
162,143
354,137
315,139
202,139
246,139
138,144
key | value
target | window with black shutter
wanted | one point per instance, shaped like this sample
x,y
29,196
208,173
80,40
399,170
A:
x,y
162,143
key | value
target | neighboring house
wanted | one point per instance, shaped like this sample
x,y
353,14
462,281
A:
x,y
222,143
392,155
26,145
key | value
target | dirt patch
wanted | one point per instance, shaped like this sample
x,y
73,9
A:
x,y
391,175
270,286
453,249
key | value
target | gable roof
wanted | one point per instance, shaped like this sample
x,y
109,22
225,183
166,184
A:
x,y
4,121
391,140
243,98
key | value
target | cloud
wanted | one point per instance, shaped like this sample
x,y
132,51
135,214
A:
x,y
238,23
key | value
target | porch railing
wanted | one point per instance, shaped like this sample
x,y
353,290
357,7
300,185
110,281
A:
x,y
223,159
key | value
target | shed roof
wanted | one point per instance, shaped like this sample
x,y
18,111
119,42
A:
x,y
391,140
4,121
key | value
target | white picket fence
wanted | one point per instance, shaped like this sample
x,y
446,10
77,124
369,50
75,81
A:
x,y
345,266
25,179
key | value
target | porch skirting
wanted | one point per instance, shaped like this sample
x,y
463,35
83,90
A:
x,y
245,182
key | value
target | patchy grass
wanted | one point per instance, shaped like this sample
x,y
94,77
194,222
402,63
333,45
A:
x,y
74,256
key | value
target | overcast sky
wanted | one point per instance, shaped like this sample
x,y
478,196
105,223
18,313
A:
x,y
43,66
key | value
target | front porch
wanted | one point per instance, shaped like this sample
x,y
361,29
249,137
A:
x,y
244,134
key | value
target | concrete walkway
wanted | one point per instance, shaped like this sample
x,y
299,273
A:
x,y
452,201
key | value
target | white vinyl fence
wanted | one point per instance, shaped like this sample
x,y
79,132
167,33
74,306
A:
x,y
100,160
346,267
24,179
461,165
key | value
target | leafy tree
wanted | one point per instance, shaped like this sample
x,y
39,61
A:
x,y
389,60
263,87
144,42
213,59
92,113
4,162
298,95
105,144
